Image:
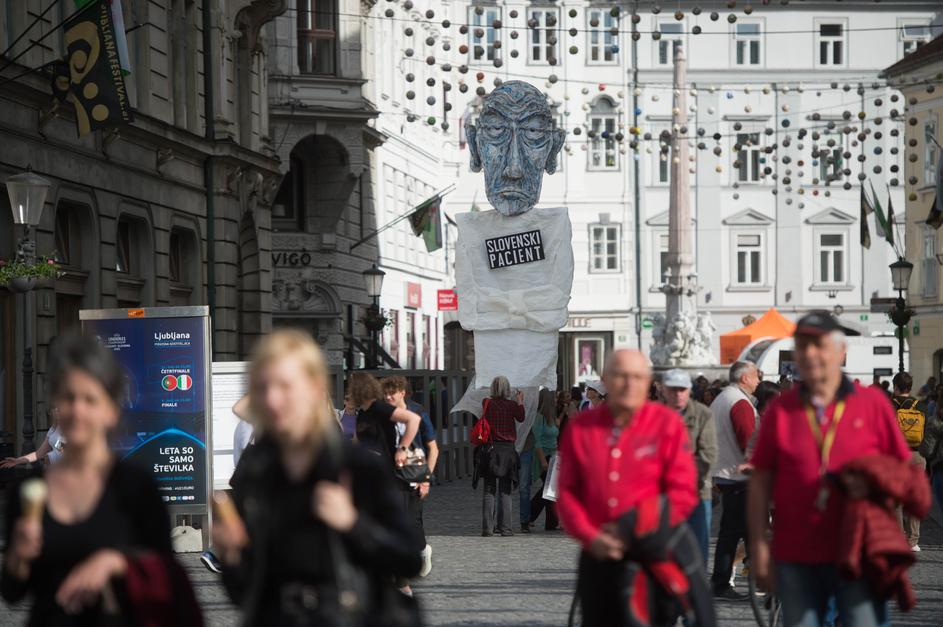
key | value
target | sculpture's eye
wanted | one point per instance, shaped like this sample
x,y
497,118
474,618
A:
x,y
494,130
535,133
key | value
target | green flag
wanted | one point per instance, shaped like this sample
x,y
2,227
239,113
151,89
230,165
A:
x,y
426,221
884,227
890,219
865,210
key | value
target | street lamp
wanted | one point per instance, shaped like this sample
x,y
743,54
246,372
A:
x,y
900,315
27,193
374,321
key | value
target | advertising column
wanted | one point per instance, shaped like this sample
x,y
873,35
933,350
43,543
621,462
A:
x,y
164,352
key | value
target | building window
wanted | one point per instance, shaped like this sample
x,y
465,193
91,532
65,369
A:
x,y
662,258
175,257
64,236
831,258
317,32
184,269
603,36
410,340
749,253
288,207
543,35
672,34
931,152
831,163
603,121
831,40
748,157
912,36
483,33
747,43
663,168
123,259
930,263
604,247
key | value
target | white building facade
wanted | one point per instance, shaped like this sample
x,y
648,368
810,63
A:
x,y
772,95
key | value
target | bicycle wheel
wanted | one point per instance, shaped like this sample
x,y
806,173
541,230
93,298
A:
x,y
576,613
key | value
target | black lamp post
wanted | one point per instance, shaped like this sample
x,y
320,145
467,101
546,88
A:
x,y
374,321
27,193
900,314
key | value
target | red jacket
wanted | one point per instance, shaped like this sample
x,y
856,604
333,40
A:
x,y
872,544
602,479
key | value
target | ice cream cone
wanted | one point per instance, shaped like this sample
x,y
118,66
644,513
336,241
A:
x,y
33,496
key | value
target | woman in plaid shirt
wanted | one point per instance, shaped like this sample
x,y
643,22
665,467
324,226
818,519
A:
x,y
500,466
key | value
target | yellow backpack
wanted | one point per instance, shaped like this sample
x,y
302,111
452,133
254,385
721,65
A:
x,y
911,421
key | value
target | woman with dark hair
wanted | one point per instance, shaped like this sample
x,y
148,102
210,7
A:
x,y
318,528
765,392
82,555
546,431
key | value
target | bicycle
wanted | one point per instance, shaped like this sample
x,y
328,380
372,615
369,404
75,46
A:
x,y
767,608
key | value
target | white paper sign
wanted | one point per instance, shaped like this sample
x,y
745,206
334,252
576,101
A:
x,y
230,383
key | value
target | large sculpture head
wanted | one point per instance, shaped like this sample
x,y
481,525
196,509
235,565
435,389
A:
x,y
515,142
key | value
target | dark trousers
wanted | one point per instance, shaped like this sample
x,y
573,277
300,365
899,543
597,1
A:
x,y
733,529
537,505
500,487
600,589
413,506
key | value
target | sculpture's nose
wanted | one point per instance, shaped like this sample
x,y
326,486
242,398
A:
x,y
513,168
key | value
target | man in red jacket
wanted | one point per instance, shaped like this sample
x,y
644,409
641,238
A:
x,y
806,438
614,457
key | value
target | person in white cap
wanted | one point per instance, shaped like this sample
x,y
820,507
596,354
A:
x,y
676,392
595,394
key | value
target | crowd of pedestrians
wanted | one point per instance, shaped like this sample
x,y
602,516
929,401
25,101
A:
x,y
324,520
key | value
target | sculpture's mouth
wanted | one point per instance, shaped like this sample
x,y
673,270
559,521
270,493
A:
x,y
511,193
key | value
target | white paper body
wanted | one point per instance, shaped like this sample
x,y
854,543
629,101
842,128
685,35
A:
x,y
230,383
532,293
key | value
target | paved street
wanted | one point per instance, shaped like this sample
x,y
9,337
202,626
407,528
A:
x,y
524,580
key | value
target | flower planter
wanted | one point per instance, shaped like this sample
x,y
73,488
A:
x,y
21,284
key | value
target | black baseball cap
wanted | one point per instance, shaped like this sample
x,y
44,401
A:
x,y
818,323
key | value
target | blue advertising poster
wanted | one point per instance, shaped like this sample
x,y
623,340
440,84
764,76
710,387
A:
x,y
163,426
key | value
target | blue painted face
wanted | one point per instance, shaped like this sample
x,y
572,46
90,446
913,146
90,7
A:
x,y
514,142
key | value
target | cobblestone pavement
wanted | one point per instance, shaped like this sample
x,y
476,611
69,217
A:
x,y
526,580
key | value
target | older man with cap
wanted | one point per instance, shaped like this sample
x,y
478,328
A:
x,y
625,460
676,391
595,394
806,438
735,418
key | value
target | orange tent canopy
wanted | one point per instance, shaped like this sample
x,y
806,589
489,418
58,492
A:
x,y
771,325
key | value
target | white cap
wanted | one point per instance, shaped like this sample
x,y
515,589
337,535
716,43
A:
x,y
676,378
596,385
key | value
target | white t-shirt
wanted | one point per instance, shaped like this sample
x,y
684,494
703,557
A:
x,y
56,441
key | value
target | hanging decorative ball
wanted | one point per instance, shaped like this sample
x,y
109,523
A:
x,y
430,14
408,5
480,76
655,98
463,88
785,123
389,13
636,18
736,196
656,9
602,87
785,108
498,82
696,30
430,82
430,100
408,31
514,35
463,29
748,9
614,11
594,22
479,33
430,60
574,49
446,23
410,77
719,169
675,111
766,91
514,54
696,10
656,35
894,182
679,15
513,13
747,89
430,41
747,109
715,16
718,150
479,10
636,36
711,110
573,32
410,95
445,126
463,49
446,46
729,95
572,13
731,18
463,69
498,63
552,79
447,87
480,91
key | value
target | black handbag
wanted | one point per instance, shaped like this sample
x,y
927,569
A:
x,y
416,468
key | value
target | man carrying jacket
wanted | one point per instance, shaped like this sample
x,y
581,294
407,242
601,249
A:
x,y
676,391
615,457
912,422
735,419
807,436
